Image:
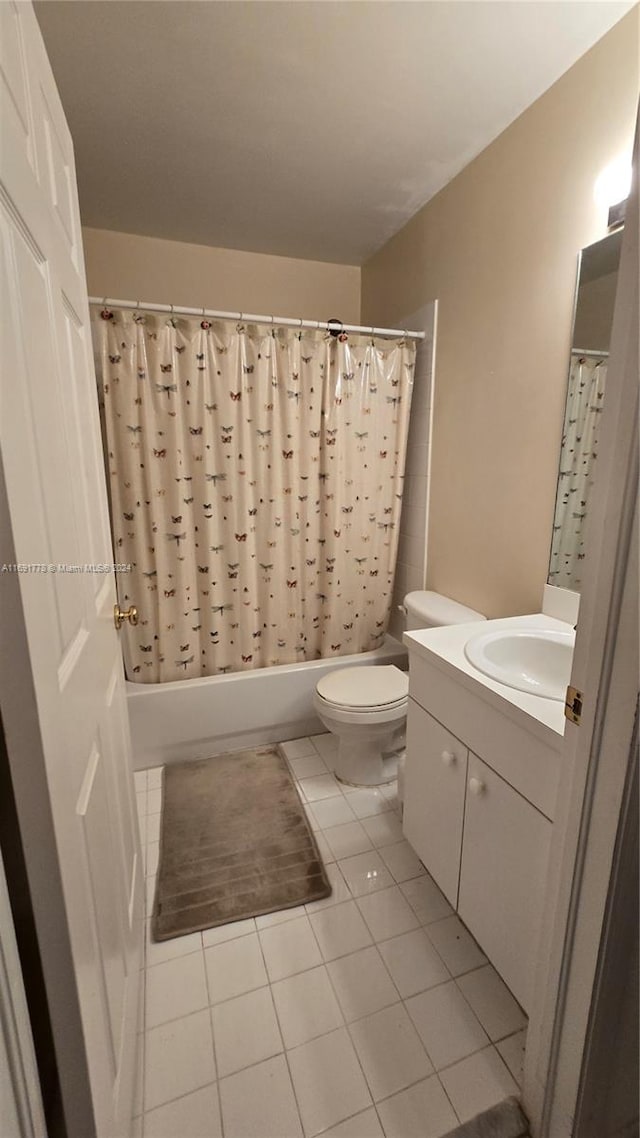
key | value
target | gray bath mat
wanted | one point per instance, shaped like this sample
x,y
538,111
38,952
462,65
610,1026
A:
x,y
506,1120
234,843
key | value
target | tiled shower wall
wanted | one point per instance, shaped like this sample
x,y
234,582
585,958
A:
x,y
411,569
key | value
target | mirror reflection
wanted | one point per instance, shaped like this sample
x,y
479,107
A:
x,y
585,396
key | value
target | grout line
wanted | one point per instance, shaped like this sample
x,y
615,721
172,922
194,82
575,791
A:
x,y
284,1050
444,1091
178,1098
324,964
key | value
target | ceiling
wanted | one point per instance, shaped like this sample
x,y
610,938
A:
x,y
309,129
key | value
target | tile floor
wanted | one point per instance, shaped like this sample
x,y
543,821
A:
x,y
372,1013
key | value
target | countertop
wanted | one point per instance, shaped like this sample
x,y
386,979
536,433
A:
x,y
444,649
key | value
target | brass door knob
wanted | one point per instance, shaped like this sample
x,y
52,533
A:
x,y
120,615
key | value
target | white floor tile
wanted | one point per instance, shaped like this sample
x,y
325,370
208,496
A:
x,y
384,829
175,988
151,858
413,963
348,840
154,778
152,827
387,913
339,890
308,765
245,1031
318,787
328,1081
306,1006
390,790
324,848
280,917
154,801
259,1102
332,811
159,951
366,803
178,1059
477,1083
402,861
446,1024
340,930
426,900
326,745
363,1125
297,748
492,1002
362,983
231,931
149,893
390,1051
289,948
456,946
365,873
138,1093
422,1111
234,968
196,1115
512,1050
311,818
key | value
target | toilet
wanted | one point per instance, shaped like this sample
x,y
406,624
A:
x,y
366,707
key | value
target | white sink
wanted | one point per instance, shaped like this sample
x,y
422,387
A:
x,y
533,660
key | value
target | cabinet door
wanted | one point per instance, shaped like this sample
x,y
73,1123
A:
x,y
505,853
435,776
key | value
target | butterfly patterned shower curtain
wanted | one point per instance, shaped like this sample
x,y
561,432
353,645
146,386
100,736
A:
x,y
256,485
585,396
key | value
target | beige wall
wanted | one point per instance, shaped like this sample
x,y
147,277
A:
x,y
128,267
497,247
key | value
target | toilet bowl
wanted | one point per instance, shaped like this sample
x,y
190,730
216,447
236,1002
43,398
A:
x,y
366,707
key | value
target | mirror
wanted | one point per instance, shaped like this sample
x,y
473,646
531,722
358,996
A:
x,y
597,279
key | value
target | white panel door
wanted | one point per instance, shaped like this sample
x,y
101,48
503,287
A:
x,y
51,452
434,787
505,854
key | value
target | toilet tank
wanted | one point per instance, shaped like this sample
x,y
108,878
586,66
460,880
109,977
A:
x,y
424,609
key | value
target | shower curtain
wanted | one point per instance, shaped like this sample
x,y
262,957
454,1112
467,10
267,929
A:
x,y
256,484
587,377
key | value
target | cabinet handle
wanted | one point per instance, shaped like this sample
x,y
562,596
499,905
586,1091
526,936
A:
x,y
448,758
476,786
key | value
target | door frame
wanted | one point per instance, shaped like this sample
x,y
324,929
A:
x,y
597,754
21,1102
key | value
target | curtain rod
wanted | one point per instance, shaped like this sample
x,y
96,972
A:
x,y
253,318
587,352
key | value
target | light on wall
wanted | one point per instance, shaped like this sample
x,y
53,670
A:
x,y
612,188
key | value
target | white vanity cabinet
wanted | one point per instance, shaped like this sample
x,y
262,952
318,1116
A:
x,y
483,842
505,853
434,790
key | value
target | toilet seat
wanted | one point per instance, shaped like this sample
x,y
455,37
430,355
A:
x,y
364,690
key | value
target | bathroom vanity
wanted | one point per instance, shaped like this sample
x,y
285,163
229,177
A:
x,y
481,780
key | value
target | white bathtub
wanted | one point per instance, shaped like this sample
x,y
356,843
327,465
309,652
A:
x,y
192,719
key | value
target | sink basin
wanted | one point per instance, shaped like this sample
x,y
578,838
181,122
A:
x,y
532,660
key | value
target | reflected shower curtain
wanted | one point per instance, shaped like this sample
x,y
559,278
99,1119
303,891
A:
x,y
256,485
587,377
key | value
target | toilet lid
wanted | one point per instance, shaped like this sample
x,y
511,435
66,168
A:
x,y
375,686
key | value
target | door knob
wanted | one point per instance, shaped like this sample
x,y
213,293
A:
x,y
120,615
476,786
448,758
